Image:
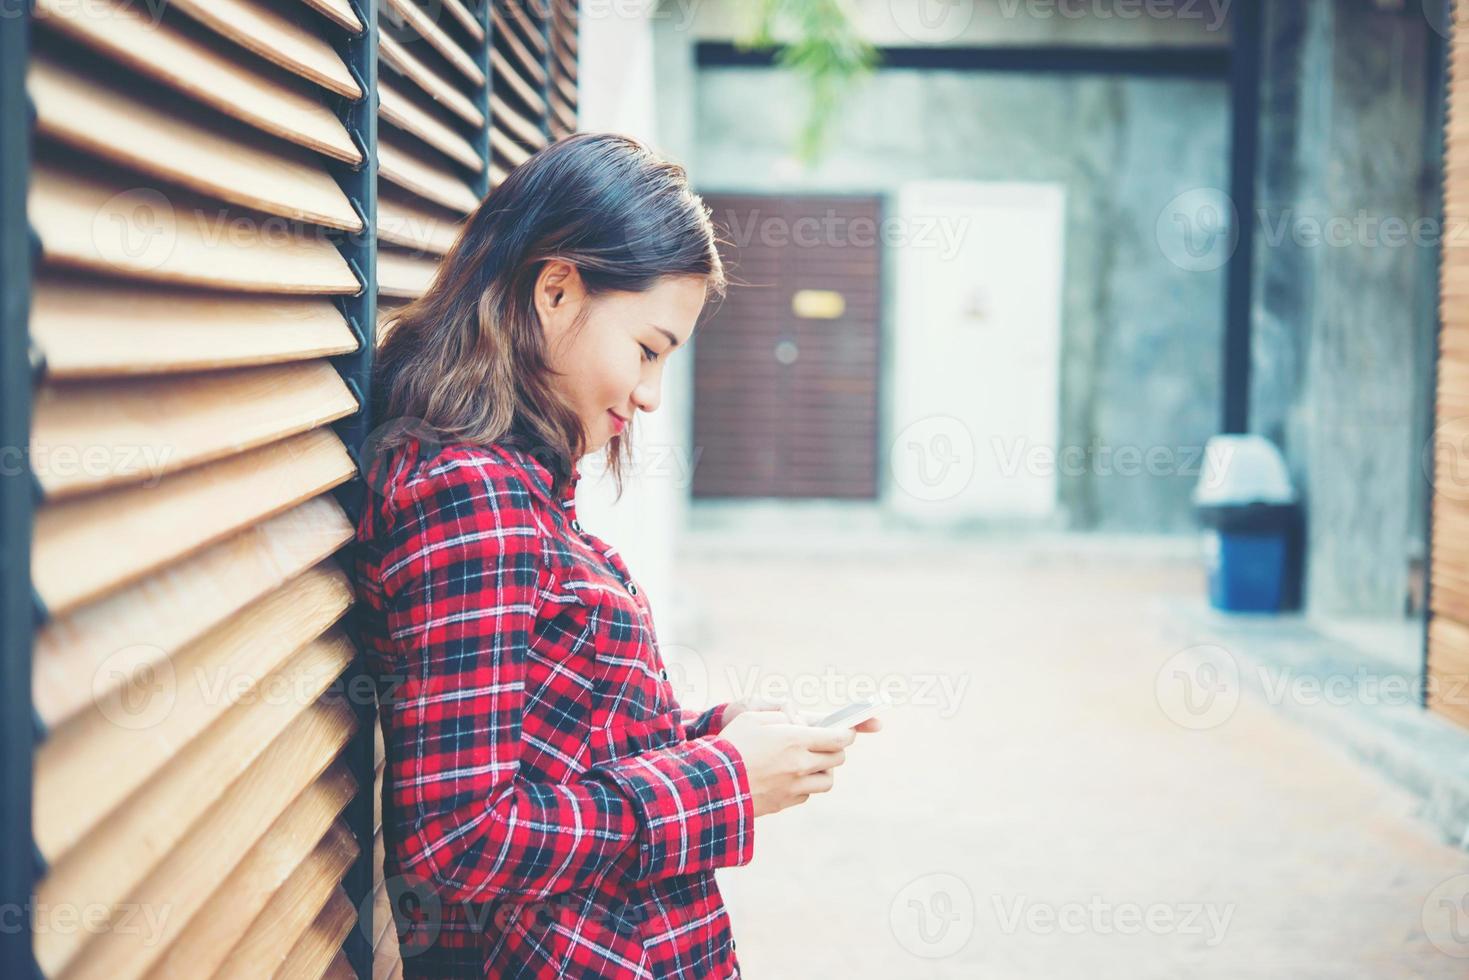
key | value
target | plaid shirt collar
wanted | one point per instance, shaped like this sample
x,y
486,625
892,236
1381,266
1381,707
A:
x,y
543,481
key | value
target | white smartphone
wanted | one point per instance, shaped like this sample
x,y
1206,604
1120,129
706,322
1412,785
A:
x,y
851,715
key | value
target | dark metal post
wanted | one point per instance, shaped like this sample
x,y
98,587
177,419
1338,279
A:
x,y
1244,103
1436,93
19,364
544,17
481,140
360,250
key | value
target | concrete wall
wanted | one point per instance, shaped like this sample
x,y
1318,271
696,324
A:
x,y
1343,312
1140,334
963,23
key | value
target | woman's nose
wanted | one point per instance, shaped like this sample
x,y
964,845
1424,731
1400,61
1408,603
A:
x,y
646,397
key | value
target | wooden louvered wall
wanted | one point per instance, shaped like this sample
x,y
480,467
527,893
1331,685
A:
x,y
1448,626
213,250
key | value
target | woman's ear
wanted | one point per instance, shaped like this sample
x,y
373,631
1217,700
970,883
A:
x,y
558,294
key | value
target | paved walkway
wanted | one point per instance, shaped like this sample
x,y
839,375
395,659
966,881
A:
x,y
1033,811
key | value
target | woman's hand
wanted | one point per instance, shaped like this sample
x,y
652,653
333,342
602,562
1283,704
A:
x,y
758,703
785,762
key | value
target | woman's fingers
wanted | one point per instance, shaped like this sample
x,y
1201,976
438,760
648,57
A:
x,y
816,782
825,761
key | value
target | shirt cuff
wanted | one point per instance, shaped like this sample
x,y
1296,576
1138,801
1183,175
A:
x,y
697,724
693,804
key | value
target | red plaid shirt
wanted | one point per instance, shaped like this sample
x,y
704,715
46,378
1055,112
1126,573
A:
x,y
548,806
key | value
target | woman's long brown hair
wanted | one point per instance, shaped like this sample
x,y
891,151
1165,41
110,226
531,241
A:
x,y
466,361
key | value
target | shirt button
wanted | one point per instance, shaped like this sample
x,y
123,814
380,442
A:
x,y
576,526
632,589
664,672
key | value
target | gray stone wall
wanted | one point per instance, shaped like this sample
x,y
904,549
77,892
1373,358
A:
x,y
1343,313
1140,335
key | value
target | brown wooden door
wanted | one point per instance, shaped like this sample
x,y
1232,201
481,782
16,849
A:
x,y
785,391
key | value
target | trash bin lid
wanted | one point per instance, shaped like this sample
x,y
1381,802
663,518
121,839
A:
x,y
1243,469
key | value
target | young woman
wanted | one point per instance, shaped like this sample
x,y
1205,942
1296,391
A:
x,y
547,804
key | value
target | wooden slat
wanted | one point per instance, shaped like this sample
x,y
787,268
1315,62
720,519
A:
x,y
402,220
85,223
563,116
201,71
513,152
515,124
266,946
441,42
567,89
399,110
1448,666
182,149
530,64
431,82
403,275
497,175
264,32
1448,626
340,968
505,72
566,65
146,428
77,659
93,330
314,950
528,30
88,767
85,548
429,181
340,12
467,20
110,862
217,844
309,838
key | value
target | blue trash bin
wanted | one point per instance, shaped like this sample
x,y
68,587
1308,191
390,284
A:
x,y
1252,520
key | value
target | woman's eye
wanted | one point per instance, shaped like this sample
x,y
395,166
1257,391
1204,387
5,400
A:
x,y
648,353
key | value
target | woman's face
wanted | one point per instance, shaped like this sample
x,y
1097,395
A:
x,y
612,368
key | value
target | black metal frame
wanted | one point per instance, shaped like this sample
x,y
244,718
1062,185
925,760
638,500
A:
x,y
482,102
1175,60
1436,90
544,18
1244,106
20,864
359,249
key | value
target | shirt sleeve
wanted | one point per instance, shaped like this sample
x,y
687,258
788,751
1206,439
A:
x,y
697,723
461,580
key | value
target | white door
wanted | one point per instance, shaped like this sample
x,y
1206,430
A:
x,y
977,350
